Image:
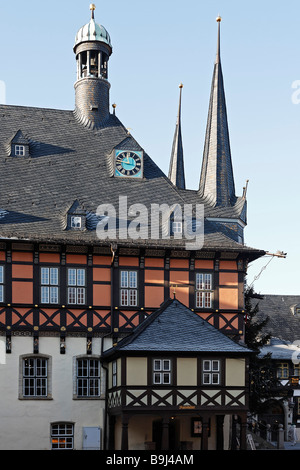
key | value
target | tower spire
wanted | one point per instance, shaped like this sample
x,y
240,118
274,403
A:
x,y
216,180
176,170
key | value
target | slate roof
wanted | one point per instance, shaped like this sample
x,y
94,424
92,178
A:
x,y
284,322
69,163
281,350
175,328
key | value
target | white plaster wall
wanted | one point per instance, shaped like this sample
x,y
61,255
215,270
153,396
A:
x,y
25,424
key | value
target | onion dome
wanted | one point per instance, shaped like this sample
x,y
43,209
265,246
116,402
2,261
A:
x,y
92,31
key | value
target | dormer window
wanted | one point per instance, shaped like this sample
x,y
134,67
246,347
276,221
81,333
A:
x,y
76,221
19,150
76,217
19,145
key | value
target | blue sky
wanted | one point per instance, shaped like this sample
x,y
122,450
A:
x,y
156,46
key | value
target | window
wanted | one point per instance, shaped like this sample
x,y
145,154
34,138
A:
x,y
177,227
35,377
49,285
88,377
162,371
1,283
76,221
128,293
76,286
204,290
62,436
211,372
19,150
282,370
114,374
297,370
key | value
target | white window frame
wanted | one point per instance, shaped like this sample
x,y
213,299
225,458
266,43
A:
x,y
76,286
211,372
1,283
203,290
35,377
162,371
128,288
20,150
88,383
76,221
176,227
63,433
49,285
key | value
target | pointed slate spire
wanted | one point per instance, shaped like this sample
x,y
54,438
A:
x,y
176,170
217,181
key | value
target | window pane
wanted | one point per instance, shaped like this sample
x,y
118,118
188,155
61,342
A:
x,y
1,294
53,295
72,277
132,297
166,365
45,276
80,295
124,297
215,365
133,279
54,276
1,275
124,279
157,364
215,378
166,378
72,295
206,365
44,294
80,277
157,378
199,281
206,378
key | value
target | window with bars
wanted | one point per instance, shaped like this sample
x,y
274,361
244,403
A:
x,y
161,371
1,283
211,372
62,436
128,290
88,377
49,285
35,375
76,286
204,290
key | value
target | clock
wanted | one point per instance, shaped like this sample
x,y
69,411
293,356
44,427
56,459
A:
x,y
129,163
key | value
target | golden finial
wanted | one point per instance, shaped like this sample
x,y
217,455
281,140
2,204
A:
x,y
92,8
219,19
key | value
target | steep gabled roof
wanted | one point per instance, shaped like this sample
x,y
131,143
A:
x,y
175,328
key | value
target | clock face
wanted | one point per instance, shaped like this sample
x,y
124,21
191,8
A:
x,y
128,163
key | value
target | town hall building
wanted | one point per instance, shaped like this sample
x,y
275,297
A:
x,y
117,332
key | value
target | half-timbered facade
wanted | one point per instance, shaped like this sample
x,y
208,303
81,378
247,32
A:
x,y
69,291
